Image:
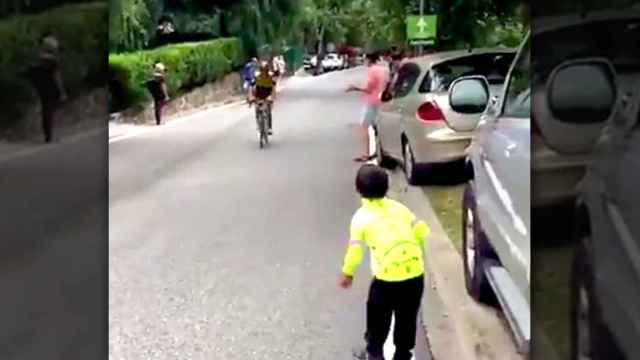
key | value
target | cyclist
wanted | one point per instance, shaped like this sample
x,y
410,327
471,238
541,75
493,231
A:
x,y
248,72
263,89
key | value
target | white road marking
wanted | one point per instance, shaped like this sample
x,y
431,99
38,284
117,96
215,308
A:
x,y
372,143
389,349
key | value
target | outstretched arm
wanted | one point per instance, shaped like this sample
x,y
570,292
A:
x,y
354,255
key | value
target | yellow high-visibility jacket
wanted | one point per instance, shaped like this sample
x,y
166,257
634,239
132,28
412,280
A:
x,y
394,236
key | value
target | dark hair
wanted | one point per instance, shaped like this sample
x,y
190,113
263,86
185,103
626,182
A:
x,y
373,56
372,182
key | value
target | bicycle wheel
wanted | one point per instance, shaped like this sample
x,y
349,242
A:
x,y
261,127
265,127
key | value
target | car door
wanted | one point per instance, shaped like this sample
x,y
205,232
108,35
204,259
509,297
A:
x,y
389,122
506,162
616,238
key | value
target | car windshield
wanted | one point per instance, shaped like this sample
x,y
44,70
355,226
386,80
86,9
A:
x,y
615,40
493,66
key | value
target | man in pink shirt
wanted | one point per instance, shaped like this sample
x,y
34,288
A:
x,y
377,78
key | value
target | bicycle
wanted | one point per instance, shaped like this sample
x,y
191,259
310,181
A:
x,y
263,112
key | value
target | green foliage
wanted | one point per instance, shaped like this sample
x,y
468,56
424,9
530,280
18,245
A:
x,y
263,25
196,23
495,32
15,7
188,65
130,25
82,56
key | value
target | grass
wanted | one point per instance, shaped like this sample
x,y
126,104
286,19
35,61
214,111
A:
x,y
551,264
447,203
551,296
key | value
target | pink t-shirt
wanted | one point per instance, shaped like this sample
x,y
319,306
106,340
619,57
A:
x,y
377,77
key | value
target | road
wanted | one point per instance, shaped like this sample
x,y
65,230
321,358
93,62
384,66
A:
x,y
221,250
53,250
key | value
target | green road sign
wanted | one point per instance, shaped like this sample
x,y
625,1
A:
x,y
422,27
422,42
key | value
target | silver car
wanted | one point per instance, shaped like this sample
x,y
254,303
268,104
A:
x,y
416,126
595,101
496,205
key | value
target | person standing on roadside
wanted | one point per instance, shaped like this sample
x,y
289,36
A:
x,y
377,78
46,76
158,88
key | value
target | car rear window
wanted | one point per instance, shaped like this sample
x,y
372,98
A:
x,y
494,66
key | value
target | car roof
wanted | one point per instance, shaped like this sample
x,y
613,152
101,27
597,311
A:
x,y
428,61
551,23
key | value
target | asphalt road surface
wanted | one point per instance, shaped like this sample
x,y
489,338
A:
x,y
221,250
53,250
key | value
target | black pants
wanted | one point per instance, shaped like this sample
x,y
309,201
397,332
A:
x,y
402,299
157,106
49,109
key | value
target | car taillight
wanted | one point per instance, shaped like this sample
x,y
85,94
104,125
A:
x,y
429,112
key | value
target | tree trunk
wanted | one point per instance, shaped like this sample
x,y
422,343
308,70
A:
x,y
224,27
320,56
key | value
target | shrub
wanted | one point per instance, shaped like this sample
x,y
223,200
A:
x,y
188,65
82,30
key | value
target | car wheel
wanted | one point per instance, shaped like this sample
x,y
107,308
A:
x,y
382,158
409,164
475,251
590,337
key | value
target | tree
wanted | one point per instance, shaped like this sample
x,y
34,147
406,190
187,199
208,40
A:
x,y
130,25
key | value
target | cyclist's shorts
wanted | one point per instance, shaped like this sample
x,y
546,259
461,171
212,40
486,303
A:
x,y
262,92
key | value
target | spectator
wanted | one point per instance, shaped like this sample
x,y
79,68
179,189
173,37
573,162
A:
x,y
158,88
377,79
46,76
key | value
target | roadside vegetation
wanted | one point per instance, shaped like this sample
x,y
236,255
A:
x,y
260,27
191,64
291,27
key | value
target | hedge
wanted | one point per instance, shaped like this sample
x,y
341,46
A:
x,y
188,65
82,31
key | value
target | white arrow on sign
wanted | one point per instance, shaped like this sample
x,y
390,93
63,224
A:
x,y
422,24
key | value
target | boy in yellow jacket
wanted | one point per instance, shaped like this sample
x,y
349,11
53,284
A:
x,y
395,238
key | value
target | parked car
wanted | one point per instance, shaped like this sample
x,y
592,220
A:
x,y
333,61
605,319
496,224
309,62
594,108
416,126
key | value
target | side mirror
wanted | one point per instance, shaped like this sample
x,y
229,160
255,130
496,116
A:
x,y
469,98
469,95
582,92
581,96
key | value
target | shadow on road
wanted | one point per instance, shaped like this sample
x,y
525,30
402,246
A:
x,y
449,174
